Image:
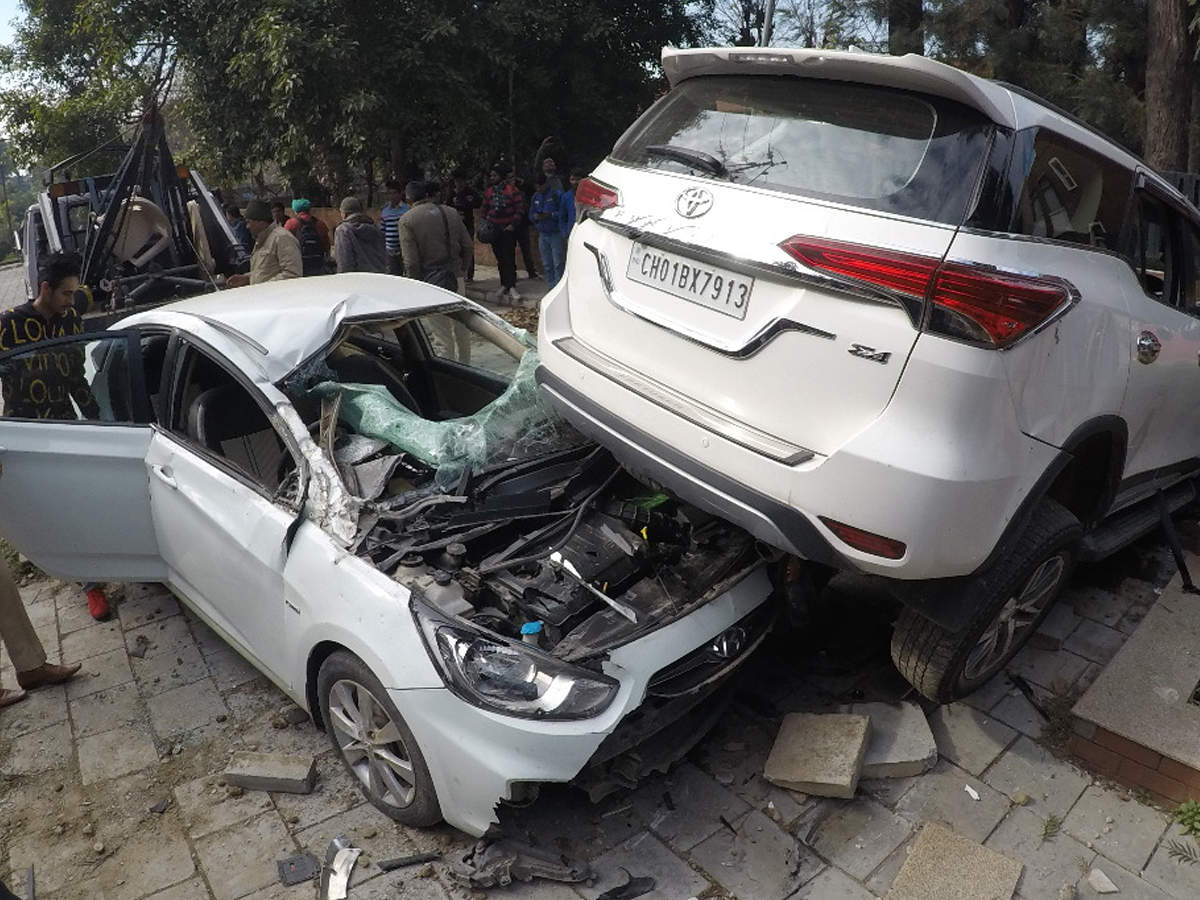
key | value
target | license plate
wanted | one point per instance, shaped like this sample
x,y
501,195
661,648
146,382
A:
x,y
711,286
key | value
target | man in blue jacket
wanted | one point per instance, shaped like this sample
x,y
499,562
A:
x,y
545,211
566,207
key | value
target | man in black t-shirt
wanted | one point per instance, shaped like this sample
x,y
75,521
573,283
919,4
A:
x,y
44,384
51,384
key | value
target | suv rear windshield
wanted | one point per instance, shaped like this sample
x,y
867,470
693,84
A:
x,y
884,149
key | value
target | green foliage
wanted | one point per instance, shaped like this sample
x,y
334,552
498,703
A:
x,y
1051,827
1184,852
1188,817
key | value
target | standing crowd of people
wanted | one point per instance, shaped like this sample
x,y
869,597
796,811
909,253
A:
x,y
426,230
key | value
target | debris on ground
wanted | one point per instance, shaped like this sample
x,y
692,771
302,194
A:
x,y
971,792
161,806
819,754
294,715
633,887
942,862
297,869
140,645
500,863
1101,883
282,772
901,743
339,863
401,862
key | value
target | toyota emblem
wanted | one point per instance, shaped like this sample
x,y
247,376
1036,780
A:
x,y
729,643
693,203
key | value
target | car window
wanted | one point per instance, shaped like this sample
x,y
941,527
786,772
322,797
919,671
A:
x,y
1154,251
69,381
451,339
217,413
1190,297
882,148
1072,194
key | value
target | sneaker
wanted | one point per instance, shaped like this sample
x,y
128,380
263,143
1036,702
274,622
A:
x,y
98,605
514,296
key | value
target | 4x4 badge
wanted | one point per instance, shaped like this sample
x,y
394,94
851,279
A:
x,y
693,203
879,356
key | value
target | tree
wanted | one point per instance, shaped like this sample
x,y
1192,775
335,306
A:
x,y
1168,85
906,26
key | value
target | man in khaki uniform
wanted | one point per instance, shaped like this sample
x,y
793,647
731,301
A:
x,y
276,253
434,241
24,649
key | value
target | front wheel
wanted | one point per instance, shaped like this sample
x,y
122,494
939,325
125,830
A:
x,y
375,744
1011,598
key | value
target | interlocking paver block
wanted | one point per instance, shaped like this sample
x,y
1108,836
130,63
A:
x,y
241,859
900,742
1130,837
760,861
645,855
859,836
1176,878
967,737
272,772
1049,862
699,802
945,865
1051,785
115,753
819,754
939,796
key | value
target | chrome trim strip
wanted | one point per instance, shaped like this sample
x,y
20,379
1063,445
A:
x,y
756,343
710,419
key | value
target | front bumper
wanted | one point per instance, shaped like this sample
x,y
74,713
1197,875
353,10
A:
x,y
476,757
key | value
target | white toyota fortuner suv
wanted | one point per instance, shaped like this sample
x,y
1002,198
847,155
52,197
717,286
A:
x,y
891,318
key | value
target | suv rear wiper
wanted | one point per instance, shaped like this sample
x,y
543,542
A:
x,y
698,158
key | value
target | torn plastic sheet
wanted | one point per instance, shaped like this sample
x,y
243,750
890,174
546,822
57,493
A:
x,y
517,424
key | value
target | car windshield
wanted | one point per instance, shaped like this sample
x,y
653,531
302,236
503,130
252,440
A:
x,y
436,398
871,146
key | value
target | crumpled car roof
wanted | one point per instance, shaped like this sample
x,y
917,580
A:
x,y
291,320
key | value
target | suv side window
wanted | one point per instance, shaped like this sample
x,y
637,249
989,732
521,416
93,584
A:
x,y
1191,278
1154,252
1072,194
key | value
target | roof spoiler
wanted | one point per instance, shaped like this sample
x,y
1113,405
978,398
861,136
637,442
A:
x,y
910,72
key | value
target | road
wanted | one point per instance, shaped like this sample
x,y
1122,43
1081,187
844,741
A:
x,y
12,287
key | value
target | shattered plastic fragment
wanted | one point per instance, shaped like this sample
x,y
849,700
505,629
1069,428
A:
x,y
971,792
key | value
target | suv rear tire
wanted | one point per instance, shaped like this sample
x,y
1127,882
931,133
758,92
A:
x,y
1011,598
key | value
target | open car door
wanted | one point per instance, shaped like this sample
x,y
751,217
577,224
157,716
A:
x,y
74,431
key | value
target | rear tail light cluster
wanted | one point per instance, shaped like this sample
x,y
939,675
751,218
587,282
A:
x,y
592,197
968,301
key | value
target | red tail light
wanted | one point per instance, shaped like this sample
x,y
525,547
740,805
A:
x,y
969,301
592,197
875,544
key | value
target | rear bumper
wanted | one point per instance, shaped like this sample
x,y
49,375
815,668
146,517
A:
x,y
943,469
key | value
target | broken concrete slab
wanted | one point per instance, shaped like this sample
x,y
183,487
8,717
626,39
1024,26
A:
x,y
900,744
969,738
819,754
945,865
1101,883
272,772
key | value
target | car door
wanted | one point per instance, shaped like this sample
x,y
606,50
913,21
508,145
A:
x,y
1164,376
74,434
216,468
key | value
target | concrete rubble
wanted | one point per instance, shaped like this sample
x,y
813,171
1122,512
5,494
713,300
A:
x,y
272,772
819,754
901,743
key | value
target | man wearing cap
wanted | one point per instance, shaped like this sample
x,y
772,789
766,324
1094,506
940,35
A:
x,y
313,236
358,244
276,253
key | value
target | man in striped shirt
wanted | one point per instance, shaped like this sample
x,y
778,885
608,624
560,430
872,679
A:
x,y
389,219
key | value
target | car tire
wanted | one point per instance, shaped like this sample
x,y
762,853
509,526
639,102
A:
x,y
374,743
1011,598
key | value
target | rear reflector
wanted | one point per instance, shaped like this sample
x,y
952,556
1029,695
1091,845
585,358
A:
x,y
592,197
875,544
972,301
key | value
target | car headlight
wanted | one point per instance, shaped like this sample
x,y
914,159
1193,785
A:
x,y
507,676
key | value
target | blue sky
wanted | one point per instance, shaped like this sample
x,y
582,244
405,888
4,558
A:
x,y
9,10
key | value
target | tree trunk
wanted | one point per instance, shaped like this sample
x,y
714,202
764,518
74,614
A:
x,y
906,31
1168,85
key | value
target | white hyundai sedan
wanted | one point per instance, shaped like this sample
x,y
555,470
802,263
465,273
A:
x,y
355,481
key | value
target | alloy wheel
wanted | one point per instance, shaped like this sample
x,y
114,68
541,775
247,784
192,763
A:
x,y
371,743
1018,615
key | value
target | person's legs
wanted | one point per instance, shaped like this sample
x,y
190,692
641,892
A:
x,y
549,266
24,648
558,252
506,259
526,250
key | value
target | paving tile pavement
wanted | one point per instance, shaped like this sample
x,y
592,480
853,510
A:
x,y
712,826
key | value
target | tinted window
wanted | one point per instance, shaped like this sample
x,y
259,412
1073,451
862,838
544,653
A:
x,y
1191,282
884,149
1071,194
